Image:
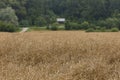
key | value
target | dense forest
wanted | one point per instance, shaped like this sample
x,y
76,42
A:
x,y
100,13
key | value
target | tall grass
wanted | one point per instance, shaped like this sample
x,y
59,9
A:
x,y
61,55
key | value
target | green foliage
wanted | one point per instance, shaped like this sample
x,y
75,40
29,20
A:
x,y
81,14
24,23
114,30
103,29
67,25
35,28
54,27
5,27
85,25
2,4
74,26
77,9
40,21
112,22
61,27
97,27
102,23
90,30
92,26
8,15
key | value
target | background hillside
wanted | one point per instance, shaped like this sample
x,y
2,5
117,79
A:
x,y
105,13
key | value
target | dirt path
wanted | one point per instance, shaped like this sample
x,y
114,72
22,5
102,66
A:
x,y
24,30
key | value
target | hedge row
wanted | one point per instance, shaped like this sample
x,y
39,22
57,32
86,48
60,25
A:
x,y
7,27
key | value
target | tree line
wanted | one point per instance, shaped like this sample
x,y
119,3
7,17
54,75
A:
x,y
100,13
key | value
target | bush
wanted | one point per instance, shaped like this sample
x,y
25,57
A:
x,y
67,25
7,27
101,23
114,30
92,26
85,25
54,27
61,27
103,29
109,23
40,21
8,15
75,26
90,30
72,26
24,23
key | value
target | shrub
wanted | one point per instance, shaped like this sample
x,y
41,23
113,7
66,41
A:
x,y
67,25
7,27
101,23
111,22
61,27
97,31
90,30
97,27
114,30
40,21
92,26
85,25
74,26
103,29
8,15
54,27
24,23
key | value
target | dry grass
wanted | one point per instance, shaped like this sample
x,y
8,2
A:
x,y
61,55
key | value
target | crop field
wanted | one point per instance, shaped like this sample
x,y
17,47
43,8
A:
x,y
60,55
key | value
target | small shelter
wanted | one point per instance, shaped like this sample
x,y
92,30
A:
x,y
60,20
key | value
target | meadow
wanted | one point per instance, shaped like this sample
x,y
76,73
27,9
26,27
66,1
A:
x,y
60,55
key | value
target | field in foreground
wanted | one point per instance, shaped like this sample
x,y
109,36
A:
x,y
62,55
